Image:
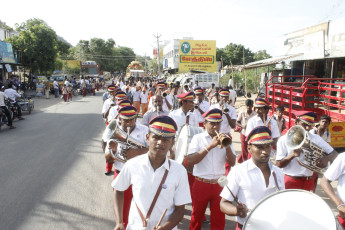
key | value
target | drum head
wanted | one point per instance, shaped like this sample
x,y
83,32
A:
x,y
291,209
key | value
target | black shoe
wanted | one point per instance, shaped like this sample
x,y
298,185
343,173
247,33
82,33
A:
x,y
108,173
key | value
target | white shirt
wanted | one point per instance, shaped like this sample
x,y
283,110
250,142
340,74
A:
x,y
293,168
212,166
139,173
256,121
66,83
151,114
231,83
136,95
112,113
180,118
326,136
3,96
204,106
139,133
144,96
56,85
225,127
247,182
12,94
106,104
232,97
164,107
337,172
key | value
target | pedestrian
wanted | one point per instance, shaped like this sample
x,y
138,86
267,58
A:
x,y
65,93
144,100
47,87
83,86
93,87
136,98
56,88
70,91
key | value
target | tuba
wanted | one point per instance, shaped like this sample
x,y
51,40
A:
x,y
297,137
122,137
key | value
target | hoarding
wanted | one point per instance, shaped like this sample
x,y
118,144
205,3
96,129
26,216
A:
x,y
6,53
197,55
337,38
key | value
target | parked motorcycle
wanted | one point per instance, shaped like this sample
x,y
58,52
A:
x,y
3,118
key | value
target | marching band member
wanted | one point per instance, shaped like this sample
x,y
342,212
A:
x,y
173,95
108,102
167,102
229,112
157,110
252,180
119,96
183,115
113,113
261,119
336,172
202,105
209,165
159,185
297,176
242,121
127,117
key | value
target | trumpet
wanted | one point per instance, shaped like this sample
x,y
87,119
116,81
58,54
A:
x,y
225,141
224,108
157,108
298,138
164,94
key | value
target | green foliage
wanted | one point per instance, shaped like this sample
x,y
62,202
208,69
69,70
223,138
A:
x,y
37,43
105,53
233,53
261,55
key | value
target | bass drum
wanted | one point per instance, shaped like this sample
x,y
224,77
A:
x,y
291,209
184,138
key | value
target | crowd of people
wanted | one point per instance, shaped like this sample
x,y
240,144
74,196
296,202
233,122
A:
x,y
151,188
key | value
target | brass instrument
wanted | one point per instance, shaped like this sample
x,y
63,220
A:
x,y
225,141
164,94
224,108
114,157
122,137
157,108
298,138
196,104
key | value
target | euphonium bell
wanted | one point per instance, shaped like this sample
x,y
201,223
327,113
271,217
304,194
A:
x,y
225,141
164,94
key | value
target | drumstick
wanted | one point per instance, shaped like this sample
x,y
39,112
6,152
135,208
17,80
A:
x,y
160,220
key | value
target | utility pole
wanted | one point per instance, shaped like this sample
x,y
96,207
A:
x,y
158,52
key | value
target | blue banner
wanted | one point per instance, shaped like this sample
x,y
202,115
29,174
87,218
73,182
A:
x,y
6,53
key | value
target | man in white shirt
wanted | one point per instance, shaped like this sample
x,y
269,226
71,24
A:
x,y
109,102
144,100
157,110
232,96
3,106
113,112
183,115
12,94
167,102
231,82
56,88
322,128
229,112
209,165
127,118
252,180
136,98
201,106
297,176
336,172
261,119
151,174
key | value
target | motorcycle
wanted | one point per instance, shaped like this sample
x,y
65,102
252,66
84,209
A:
x,y
3,117
13,109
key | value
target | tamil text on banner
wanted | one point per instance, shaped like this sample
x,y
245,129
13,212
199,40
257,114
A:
x,y
197,55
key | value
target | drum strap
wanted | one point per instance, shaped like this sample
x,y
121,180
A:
x,y
159,189
275,180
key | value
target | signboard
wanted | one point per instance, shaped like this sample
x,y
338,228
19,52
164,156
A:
x,y
337,130
6,53
197,55
337,38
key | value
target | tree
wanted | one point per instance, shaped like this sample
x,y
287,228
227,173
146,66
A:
x,y
233,53
37,43
261,55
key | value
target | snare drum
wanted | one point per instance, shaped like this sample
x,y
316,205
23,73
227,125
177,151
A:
x,y
183,139
291,209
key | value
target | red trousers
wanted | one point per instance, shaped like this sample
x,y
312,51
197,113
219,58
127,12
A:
x,y
84,92
203,194
239,227
128,195
108,167
191,180
70,96
65,97
295,183
245,155
341,221
97,86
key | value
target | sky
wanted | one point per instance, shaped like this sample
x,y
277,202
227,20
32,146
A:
x,y
256,24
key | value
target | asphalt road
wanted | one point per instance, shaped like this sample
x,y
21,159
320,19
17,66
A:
x,y
52,170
